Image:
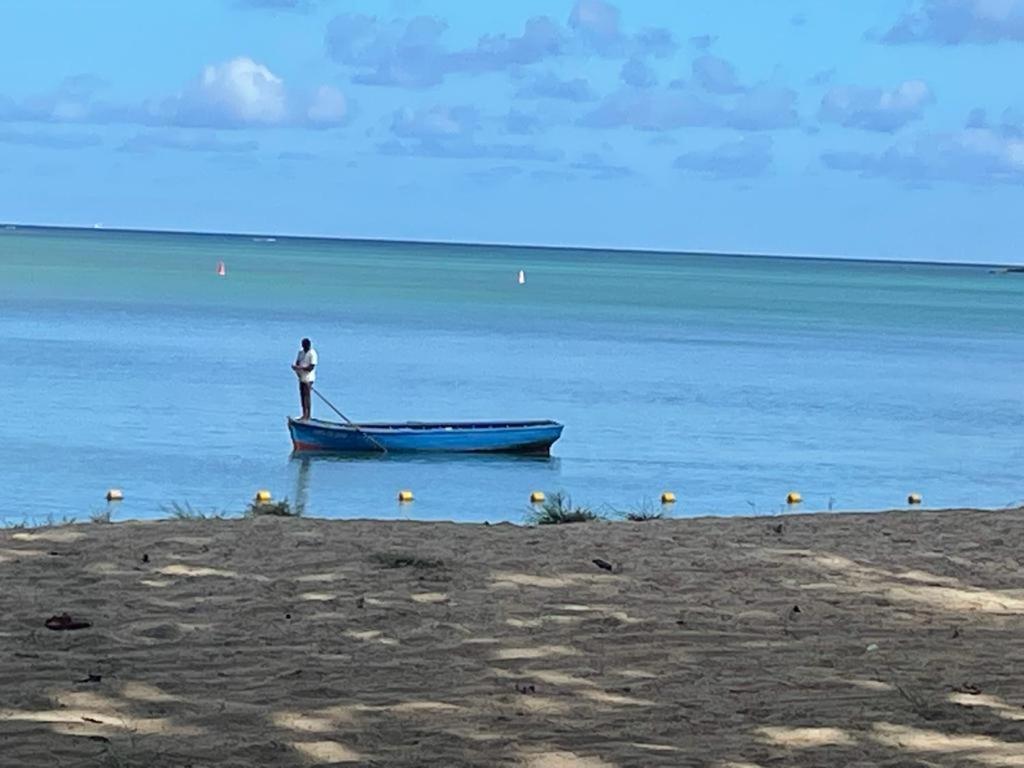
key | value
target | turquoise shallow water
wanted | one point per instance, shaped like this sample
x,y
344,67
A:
x,y
125,361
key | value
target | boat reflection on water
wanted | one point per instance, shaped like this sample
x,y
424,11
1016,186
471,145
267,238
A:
x,y
301,483
338,485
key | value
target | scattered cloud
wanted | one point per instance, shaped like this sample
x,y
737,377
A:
x,y
716,75
301,6
401,54
186,142
702,42
452,132
496,175
49,140
327,106
750,156
239,93
822,78
975,155
956,22
798,20
764,108
714,97
541,38
876,109
548,85
760,108
298,157
522,124
75,100
638,74
598,167
651,111
435,122
654,41
548,176
411,53
598,25
977,118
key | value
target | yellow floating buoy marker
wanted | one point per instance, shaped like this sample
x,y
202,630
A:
x,y
405,496
668,498
262,496
794,498
537,497
914,498
115,494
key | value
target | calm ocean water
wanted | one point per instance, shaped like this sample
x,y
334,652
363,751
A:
x,y
125,361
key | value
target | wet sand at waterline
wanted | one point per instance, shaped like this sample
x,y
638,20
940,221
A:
x,y
891,639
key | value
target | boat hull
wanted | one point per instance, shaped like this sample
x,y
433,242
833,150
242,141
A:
x,y
519,437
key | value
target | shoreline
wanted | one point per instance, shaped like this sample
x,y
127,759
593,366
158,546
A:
x,y
883,638
662,514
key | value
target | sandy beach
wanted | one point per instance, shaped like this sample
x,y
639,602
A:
x,y
891,639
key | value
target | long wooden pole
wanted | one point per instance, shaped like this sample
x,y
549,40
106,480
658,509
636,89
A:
x,y
347,419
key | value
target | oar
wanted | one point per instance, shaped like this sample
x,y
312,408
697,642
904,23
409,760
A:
x,y
350,422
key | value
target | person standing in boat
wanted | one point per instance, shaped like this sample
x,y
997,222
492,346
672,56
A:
x,y
305,369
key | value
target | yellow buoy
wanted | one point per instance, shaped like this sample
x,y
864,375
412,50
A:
x,y
262,496
115,494
405,496
537,497
794,498
914,498
668,498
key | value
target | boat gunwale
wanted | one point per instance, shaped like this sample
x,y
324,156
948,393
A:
x,y
426,426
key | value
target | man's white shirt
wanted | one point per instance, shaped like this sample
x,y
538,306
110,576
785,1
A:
x,y
304,359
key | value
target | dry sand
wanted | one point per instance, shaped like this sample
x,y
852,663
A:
x,y
869,640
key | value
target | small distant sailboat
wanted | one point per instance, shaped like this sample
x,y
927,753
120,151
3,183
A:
x,y
522,277
221,269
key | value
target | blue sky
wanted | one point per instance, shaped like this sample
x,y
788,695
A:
x,y
875,129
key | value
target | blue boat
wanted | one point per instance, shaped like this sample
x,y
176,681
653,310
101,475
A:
x,y
521,437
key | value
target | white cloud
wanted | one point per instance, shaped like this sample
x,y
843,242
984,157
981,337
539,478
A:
x,y
239,91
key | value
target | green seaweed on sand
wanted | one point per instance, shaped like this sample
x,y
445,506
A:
x,y
281,508
559,510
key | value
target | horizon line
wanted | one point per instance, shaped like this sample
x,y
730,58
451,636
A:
x,y
504,245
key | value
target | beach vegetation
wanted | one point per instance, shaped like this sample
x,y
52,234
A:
x,y
99,516
645,512
281,508
558,509
186,511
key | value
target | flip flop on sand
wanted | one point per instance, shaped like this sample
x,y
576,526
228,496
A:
x,y
65,622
